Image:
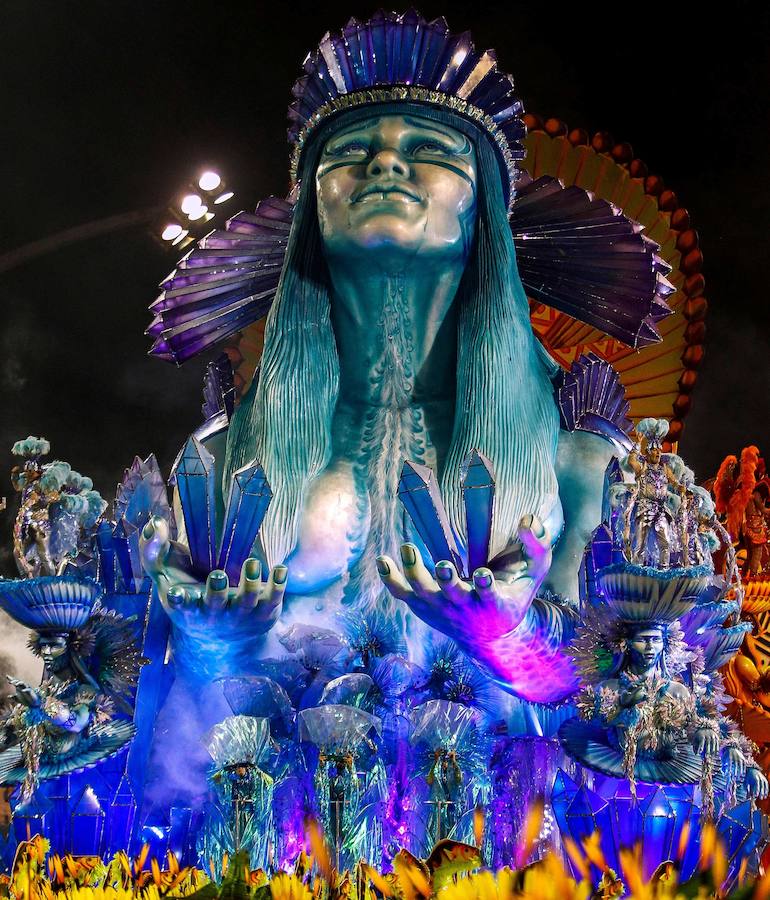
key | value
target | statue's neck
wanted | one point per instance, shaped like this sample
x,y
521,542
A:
x,y
400,322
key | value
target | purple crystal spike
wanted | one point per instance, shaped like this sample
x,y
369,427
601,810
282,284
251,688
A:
x,y
580,256
377,26
218,388
457,49
410,46
421,497
478,485
195,481
121,544
224,284
249,498
435,36
592,398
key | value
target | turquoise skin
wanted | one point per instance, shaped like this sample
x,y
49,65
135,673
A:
x,y
397,356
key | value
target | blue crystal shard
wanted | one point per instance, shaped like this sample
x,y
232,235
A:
x,y
180,818
121,544
106,552
250,496
87,824
32,817
478,484
657,826
420,495
597,555
612,475
121,818
195,481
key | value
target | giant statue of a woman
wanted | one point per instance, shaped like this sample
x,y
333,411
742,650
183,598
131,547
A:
x,y
399,331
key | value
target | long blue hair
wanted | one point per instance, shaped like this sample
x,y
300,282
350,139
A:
x,y
504,399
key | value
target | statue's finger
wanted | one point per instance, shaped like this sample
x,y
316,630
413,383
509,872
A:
x,y
484,584
176,597
420,579
250,585
536,546
272,596
217,588
154,545
452,586
394,581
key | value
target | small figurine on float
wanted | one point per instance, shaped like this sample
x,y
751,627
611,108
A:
x,y
648,711
649,516
57,512
91,665
90,657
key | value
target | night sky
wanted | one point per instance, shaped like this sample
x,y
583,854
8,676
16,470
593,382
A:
x,y
112,106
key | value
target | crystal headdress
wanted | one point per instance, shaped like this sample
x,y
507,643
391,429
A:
x,y
575,252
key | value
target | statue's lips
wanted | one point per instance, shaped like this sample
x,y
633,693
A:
x,y
374,192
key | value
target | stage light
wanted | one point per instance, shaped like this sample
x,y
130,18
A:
x,y
223,197
209,181
197,213
180,237
170,232
190,204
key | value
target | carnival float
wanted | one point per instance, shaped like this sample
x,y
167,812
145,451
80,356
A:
x,y
431,557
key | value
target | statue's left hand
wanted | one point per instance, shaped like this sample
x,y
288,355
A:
x,y
491,616
756,784
705,742
214,609
734,764
480,611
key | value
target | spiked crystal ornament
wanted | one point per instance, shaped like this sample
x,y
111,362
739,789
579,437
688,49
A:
x,y
249,498
420,494
218,389
592,398
225,283
478,486
195,481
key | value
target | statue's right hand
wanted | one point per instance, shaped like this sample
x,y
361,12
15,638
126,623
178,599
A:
x,y
212,609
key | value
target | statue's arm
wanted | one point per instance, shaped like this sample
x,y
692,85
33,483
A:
x,y
581,461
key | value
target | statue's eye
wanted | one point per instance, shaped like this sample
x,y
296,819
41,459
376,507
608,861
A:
x,y
431,148
352,148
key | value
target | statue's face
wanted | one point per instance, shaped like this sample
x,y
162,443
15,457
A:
x,y
53,647
646,648
397,185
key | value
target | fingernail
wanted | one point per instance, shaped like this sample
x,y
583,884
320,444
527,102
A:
x,y
279,574
252,569
444,571
408,556
218,580
482,577
176,596
382,567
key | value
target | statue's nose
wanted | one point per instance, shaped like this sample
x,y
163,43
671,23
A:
x,y
388,163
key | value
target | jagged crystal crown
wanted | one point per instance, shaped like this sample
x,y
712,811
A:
x,y
404,57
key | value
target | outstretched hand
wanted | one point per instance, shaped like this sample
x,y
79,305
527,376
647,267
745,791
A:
x,y
252,606
477,612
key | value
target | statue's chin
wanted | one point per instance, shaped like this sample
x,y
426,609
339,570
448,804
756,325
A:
x,y
386,240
